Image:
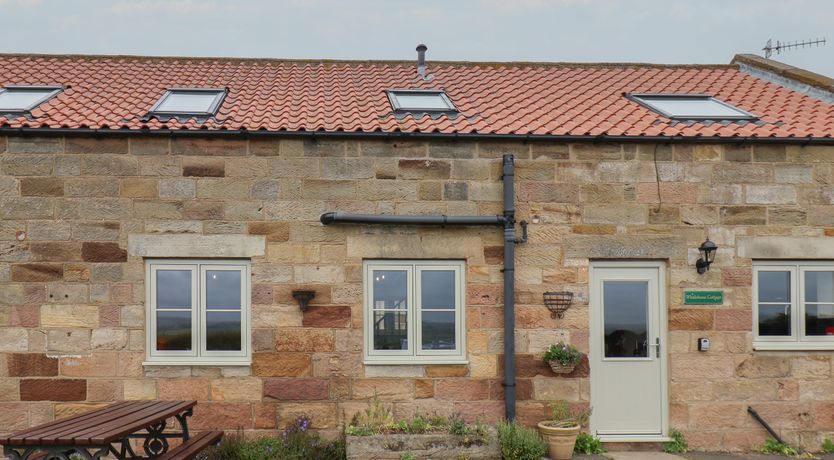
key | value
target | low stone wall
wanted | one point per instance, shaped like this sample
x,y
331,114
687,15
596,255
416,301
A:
x,y
434,446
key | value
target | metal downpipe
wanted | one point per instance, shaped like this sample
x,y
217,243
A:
x,y
509,287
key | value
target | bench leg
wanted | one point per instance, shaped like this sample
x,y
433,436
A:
x,y
57,452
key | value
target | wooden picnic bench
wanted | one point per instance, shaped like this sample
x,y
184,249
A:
x,y
109,430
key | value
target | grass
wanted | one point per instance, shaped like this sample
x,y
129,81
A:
x,y
677,445
588,444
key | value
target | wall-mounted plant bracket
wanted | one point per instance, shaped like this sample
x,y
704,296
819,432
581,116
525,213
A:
x,y
303,298
558,302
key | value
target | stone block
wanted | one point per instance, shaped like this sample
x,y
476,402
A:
x,y
703,366
69,316
102,364
769,153
28,165
187,388
690,319
443,371
101,187
347,168
295,389
103,252
96,231
265,190
146,145
397,149
105,390
196,245
596,151
786,216
550,389
135,389
31,365
108,339
41,186
208,146
770,194
321,148
309,340
53,390
109,165
13,339
617,246
386,389
424,169
452,149
281,364
96,145
37,272
203,167
68,341
236,389
28,144
743,215
619,214
461,389
26,208
764,366
327,316
455,191
94,209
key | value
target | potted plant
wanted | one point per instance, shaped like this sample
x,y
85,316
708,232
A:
x,y
561,430
562,358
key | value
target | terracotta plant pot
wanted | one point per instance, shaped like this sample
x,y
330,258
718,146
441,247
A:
x,y
559,368
560,441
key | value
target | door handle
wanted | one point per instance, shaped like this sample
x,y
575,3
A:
x,y
656,344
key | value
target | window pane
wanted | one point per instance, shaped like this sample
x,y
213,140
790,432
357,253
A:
x,y
426,101
390,330
438,330
21,99
693,107
625,310
819,287
437,290
223,331
819,319
223,289
774,286
774,320
173,289
173,330
187,102
390,289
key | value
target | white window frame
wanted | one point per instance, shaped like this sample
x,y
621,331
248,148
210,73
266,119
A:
x,y
48,92
399,107
198,355
797,340
219,96
415,354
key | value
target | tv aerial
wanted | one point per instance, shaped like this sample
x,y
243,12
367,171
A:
x,y
770,48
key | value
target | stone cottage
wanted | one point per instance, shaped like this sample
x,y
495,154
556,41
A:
x,y
162,236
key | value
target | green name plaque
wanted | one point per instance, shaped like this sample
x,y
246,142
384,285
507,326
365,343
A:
x,y
703,297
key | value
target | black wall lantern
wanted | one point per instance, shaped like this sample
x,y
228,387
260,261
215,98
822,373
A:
x,y
303,298
707,250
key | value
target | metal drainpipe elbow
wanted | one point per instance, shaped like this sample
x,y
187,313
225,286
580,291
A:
x,y
523,238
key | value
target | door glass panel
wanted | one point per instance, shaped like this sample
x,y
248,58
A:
x,y
223,289
223,331
819,287
437,289
625,317
173,289
390,315
173,330
438,330
774,286
775,319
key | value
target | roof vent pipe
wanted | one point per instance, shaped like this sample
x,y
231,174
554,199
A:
x,y
421,61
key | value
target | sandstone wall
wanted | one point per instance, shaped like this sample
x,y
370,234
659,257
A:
x,y
71,296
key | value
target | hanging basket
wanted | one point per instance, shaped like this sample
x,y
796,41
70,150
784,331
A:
x,y
559,368
558,302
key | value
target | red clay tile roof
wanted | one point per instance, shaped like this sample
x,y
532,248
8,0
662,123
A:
x,y
513,98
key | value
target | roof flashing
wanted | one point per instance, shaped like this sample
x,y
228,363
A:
x,y
186,102
22,99
420,101
690,107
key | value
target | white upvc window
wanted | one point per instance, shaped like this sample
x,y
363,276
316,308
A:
x,y
198,312
414,312
793,305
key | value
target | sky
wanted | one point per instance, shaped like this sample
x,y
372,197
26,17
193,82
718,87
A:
x,y
657,31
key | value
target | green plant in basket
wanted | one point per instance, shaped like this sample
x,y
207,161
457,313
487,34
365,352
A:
x,y
562,357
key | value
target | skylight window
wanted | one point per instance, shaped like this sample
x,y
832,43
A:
x,y
189,101
25,98
411,100
691,107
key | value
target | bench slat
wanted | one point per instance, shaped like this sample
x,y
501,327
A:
x,y
189,449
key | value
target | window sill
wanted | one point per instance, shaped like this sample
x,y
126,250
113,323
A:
x,y
418,362
197,363
792,346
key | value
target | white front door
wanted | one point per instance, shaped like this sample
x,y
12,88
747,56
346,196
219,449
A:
x,y
628,349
